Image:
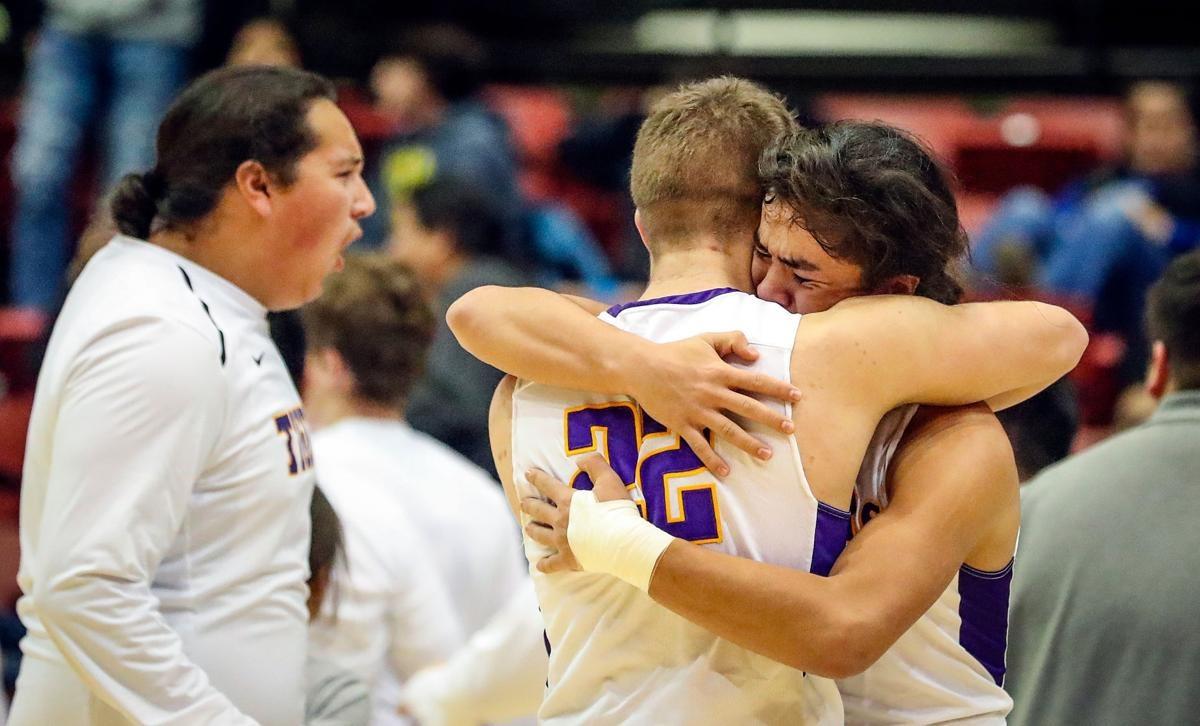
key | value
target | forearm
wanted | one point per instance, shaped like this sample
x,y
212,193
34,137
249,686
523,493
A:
x,y
113,637
499,675
794,617
541,336
998,352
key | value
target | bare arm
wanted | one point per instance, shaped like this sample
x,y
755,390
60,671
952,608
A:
x,y
500,433
945,499
892,350
542,336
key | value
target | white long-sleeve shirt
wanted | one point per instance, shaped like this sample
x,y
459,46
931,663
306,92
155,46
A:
x,y
393,615
499,675
164,506
457,509
409,506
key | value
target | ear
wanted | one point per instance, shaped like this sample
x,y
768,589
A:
x,y
898,285
326,370
637,222
1159,373
254,184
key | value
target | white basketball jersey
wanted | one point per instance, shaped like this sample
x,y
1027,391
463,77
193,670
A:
x,y
949,666
617,657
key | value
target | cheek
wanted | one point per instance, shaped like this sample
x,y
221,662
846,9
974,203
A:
x,y
814,301
758,270
808,301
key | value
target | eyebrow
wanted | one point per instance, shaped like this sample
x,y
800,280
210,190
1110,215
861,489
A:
x,y
798,263
349,160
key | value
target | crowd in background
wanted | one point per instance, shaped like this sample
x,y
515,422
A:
x,y
470,194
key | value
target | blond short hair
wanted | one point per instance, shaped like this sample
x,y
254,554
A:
x,y
695,160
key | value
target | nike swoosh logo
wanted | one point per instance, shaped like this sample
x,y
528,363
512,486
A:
x,y
258,359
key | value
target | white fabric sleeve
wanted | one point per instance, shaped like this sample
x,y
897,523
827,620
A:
x,y
424,626
141,412
499,675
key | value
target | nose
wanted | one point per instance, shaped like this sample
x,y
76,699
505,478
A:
x,y
773,287
364,201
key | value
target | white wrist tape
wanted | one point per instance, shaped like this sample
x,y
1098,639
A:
x,y
612,538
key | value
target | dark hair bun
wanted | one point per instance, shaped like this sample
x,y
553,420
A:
x,y
135,203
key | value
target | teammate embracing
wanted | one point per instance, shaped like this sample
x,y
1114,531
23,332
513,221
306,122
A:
x,y
790,510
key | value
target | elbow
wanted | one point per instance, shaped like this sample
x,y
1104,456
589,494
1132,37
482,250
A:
x,y
1070,338
465,316
848,647
56,598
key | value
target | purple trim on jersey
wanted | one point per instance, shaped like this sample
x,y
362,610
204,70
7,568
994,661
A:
x,y
832,534
983,609
692,298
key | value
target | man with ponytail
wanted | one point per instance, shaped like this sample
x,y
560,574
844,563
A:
x,y
164,504
919,597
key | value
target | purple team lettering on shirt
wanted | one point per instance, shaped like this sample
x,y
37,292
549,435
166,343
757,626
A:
x,y
299,447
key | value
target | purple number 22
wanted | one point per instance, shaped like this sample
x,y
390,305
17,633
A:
x,y
670,485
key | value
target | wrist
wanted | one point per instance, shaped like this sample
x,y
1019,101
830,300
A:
x,y
628,363
612,538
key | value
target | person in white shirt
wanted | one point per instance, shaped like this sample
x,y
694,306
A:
x,y
367,337
333,696
168,473
499,675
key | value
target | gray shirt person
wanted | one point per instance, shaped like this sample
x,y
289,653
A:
x,y
450,402
1106,592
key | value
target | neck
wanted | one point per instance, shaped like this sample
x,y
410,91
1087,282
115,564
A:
x,y
330,410
223,252
701,267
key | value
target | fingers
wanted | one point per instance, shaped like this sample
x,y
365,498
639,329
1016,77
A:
x,y
732,343
734,434
549,487
606,484
539,510
543,535
762,384
755,410
558,562
705,452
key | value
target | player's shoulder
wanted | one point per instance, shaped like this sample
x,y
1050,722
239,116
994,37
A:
x,y
130,280
972,430
979,416
763,322
871,315
676,316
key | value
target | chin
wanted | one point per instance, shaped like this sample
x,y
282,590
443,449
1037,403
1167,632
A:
x,y
294,299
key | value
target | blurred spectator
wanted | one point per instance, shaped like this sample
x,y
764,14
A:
x,y
334,696
264,41
117,62
1104,590
1134,407
1042,428
1104,239
410,506
599,151
448,233
428,88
